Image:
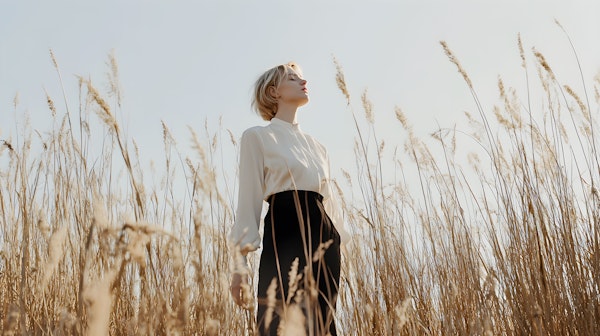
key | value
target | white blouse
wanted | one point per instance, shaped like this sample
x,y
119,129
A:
x,y
274,158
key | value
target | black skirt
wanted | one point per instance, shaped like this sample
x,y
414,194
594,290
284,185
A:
x,y
297,227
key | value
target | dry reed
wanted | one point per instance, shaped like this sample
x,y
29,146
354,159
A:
x,y
507,245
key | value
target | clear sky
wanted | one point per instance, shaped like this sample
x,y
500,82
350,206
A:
x,y
184,62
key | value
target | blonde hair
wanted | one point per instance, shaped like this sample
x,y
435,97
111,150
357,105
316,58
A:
x,y
263,102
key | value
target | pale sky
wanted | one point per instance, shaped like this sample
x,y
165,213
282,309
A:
x,y
184,62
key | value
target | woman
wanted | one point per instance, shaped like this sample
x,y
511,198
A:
x,y
289,169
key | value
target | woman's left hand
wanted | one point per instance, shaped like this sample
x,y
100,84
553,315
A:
x,y
240,290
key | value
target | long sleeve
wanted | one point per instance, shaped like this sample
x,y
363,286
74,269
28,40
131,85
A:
x,y
244,233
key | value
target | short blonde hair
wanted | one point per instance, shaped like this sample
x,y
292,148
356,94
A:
x,y
263,102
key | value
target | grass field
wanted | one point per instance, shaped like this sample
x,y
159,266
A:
x,y
503,240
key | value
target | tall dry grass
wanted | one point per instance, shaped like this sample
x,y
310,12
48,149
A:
x,y
507,244
88,247
505,241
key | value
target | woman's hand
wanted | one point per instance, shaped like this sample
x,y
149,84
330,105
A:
x,y
240,290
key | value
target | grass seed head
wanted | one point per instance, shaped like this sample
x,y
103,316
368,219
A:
x,y
55,254
98,297
293,322
271,302
211,327
341,81
542,61
454,60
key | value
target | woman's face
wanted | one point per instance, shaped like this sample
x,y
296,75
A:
x,y
292,89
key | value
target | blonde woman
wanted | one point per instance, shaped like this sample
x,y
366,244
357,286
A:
x,y
289,169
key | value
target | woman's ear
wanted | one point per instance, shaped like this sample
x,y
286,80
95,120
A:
x,y
273,92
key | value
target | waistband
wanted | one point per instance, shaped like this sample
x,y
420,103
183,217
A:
x,y
290,194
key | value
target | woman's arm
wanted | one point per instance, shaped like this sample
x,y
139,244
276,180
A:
x,y
244,234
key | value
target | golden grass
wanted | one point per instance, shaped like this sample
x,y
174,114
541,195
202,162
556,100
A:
x,y
507,245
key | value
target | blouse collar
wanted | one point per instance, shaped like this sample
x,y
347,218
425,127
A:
x,y
280,122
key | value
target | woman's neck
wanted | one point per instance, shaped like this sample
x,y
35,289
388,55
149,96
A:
x,y
287,113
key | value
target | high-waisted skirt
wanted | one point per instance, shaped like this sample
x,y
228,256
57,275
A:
x,y
297,227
